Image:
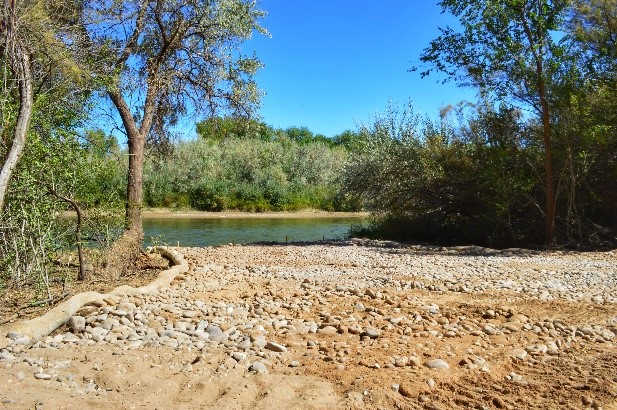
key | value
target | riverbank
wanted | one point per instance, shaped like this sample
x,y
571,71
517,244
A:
x,y
349,324
161,213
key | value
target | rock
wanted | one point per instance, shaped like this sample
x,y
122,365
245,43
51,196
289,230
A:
x,y
328,330
414,361
7,356
258,367
518,318
70,338
294,363
239,356
499,403
437,364
405,390
77,324
216,334
42,376
519,354
372,332
244,344
275,347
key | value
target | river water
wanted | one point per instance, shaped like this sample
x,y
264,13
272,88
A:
x,y
208,232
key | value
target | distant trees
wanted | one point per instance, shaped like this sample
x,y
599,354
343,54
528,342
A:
x,y
249,174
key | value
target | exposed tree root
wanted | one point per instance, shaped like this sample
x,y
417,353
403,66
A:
x,y
29,331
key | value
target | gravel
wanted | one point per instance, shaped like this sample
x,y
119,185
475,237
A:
x,y
373,280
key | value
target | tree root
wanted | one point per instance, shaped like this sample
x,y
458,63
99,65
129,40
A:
x,y
28,332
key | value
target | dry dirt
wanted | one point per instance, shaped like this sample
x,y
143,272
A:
x,y
424,305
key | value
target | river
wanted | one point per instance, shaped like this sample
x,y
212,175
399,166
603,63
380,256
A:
x,y
208,232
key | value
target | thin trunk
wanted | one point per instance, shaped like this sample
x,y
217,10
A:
x,y
80,218
546,128
548,163
136,145
20,63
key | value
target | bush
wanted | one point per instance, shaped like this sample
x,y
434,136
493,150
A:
x,y
246,174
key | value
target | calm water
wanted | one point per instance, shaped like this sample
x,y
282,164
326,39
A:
x,y
207,232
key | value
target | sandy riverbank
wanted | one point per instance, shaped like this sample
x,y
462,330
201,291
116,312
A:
x,y
348,325
307,213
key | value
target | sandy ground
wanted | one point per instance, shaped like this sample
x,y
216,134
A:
x,y
514,331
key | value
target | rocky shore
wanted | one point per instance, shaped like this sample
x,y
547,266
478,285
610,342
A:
x,y
351,324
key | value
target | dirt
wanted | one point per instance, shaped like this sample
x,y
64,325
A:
x,y
583,374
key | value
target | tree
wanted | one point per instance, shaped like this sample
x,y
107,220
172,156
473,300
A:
x,y
35,46
17,56
163,59
507,48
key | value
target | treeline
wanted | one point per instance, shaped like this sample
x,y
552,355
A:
x,y
476,177
235,164
249,166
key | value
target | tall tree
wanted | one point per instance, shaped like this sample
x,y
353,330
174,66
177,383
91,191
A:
x,y
507,48
163,59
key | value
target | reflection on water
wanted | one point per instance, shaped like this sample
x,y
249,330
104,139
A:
x,y
208,232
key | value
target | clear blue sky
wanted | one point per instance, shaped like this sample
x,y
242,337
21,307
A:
x,y
333,63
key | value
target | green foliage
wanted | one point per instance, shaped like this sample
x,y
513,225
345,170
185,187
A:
x,y
246,174
480,181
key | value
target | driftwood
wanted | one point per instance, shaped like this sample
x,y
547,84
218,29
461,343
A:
x,y
30,331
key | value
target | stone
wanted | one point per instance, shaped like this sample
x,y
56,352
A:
x,y
405,390
69,337
437,364
216,334
372,332
77,324
244,344
258,367
239,356
519,354
275,347
42,376
7,356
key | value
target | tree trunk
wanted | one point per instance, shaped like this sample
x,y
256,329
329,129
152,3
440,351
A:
x,y
134,193
548,165
136,145
20,65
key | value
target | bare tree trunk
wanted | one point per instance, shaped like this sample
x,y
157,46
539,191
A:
x,y
136,145
134,192
548,165
20,65
80,217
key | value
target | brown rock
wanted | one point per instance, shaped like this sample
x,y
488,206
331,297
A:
x,y
405,390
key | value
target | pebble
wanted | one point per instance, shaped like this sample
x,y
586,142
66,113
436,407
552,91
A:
x,y
437,364
42,376
405,390
372,332
258,367
275,347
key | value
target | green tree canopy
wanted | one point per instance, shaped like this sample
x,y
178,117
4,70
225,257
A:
x,y
507,49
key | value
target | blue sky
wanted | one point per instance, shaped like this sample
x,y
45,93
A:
x,y
331,64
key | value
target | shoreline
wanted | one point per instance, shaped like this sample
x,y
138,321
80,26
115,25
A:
x,y
162,213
